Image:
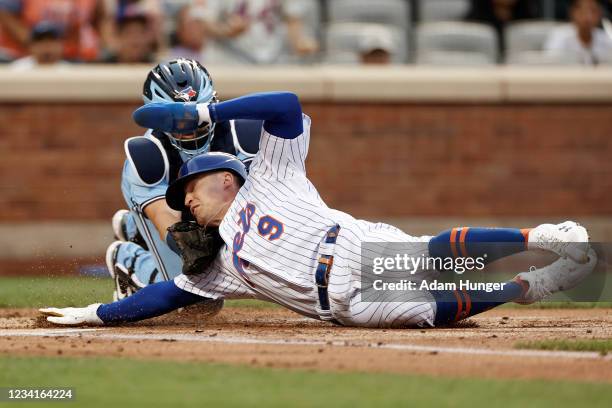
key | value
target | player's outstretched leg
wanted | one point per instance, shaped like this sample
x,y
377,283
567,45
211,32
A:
x,y
131,267
527,287
565,239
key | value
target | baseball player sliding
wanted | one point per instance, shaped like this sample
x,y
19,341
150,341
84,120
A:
x,y
281,243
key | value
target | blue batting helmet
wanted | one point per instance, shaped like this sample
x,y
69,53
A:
x,y
204,163
182,80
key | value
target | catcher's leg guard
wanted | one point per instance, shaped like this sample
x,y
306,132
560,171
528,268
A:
x,y
140,261
125,228
168,263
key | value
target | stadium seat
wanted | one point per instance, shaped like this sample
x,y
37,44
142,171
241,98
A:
x,y
456,43
391,12
528,35
534,58
443,10
343,41
525,42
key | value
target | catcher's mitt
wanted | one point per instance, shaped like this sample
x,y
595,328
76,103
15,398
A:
x,y
198,245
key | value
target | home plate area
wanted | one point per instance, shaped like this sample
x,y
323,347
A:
x,y
485,346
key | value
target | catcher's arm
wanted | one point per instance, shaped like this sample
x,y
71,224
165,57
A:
x,y
151,301
161,216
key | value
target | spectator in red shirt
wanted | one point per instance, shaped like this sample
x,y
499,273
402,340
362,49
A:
x,y
78,20
46,48
120,10
135,41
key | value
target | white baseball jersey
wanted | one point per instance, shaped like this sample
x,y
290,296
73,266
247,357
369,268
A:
x,y
273,233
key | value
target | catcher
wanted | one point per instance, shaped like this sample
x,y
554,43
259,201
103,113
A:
x,y
281,243
154,243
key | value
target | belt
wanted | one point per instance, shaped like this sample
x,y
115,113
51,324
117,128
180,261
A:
x,y
326,261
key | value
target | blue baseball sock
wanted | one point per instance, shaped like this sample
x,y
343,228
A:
x,y
456,305
495,243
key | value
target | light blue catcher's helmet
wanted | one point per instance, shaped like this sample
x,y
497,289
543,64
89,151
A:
x,y
183,80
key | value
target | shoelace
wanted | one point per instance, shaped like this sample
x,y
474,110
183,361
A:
x,y
539,289
553,243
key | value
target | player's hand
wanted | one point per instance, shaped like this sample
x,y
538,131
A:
x,y
73,316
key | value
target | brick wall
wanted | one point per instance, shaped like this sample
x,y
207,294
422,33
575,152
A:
x,y
63,161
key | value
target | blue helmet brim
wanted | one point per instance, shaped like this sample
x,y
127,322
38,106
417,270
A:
x,y
175,194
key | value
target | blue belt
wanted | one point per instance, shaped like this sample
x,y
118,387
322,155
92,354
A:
x,y
324,268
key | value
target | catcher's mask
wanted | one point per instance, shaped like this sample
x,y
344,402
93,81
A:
x,y
183,80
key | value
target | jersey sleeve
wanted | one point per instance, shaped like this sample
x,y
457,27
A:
x,y
280,158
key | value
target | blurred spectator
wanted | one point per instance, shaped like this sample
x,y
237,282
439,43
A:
x,y
498,13
46,47
257,31
190,37
119,10
583,40
562,9
5,56
134,41
376,46
171,8
78,19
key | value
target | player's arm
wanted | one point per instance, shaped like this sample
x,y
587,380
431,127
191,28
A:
x,y
151,301
162,217
146,173
281,113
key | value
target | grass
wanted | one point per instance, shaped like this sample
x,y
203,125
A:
x,y
18,292
96,383
57,291
603,346
72,291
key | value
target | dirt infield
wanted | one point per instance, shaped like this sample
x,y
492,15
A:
x,y
483,347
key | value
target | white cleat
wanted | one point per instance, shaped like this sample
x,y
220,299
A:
x,y
568,239
126,282
111,257
118,223
563,274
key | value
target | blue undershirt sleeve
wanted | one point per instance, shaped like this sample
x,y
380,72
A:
x,y
151,301
280,111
